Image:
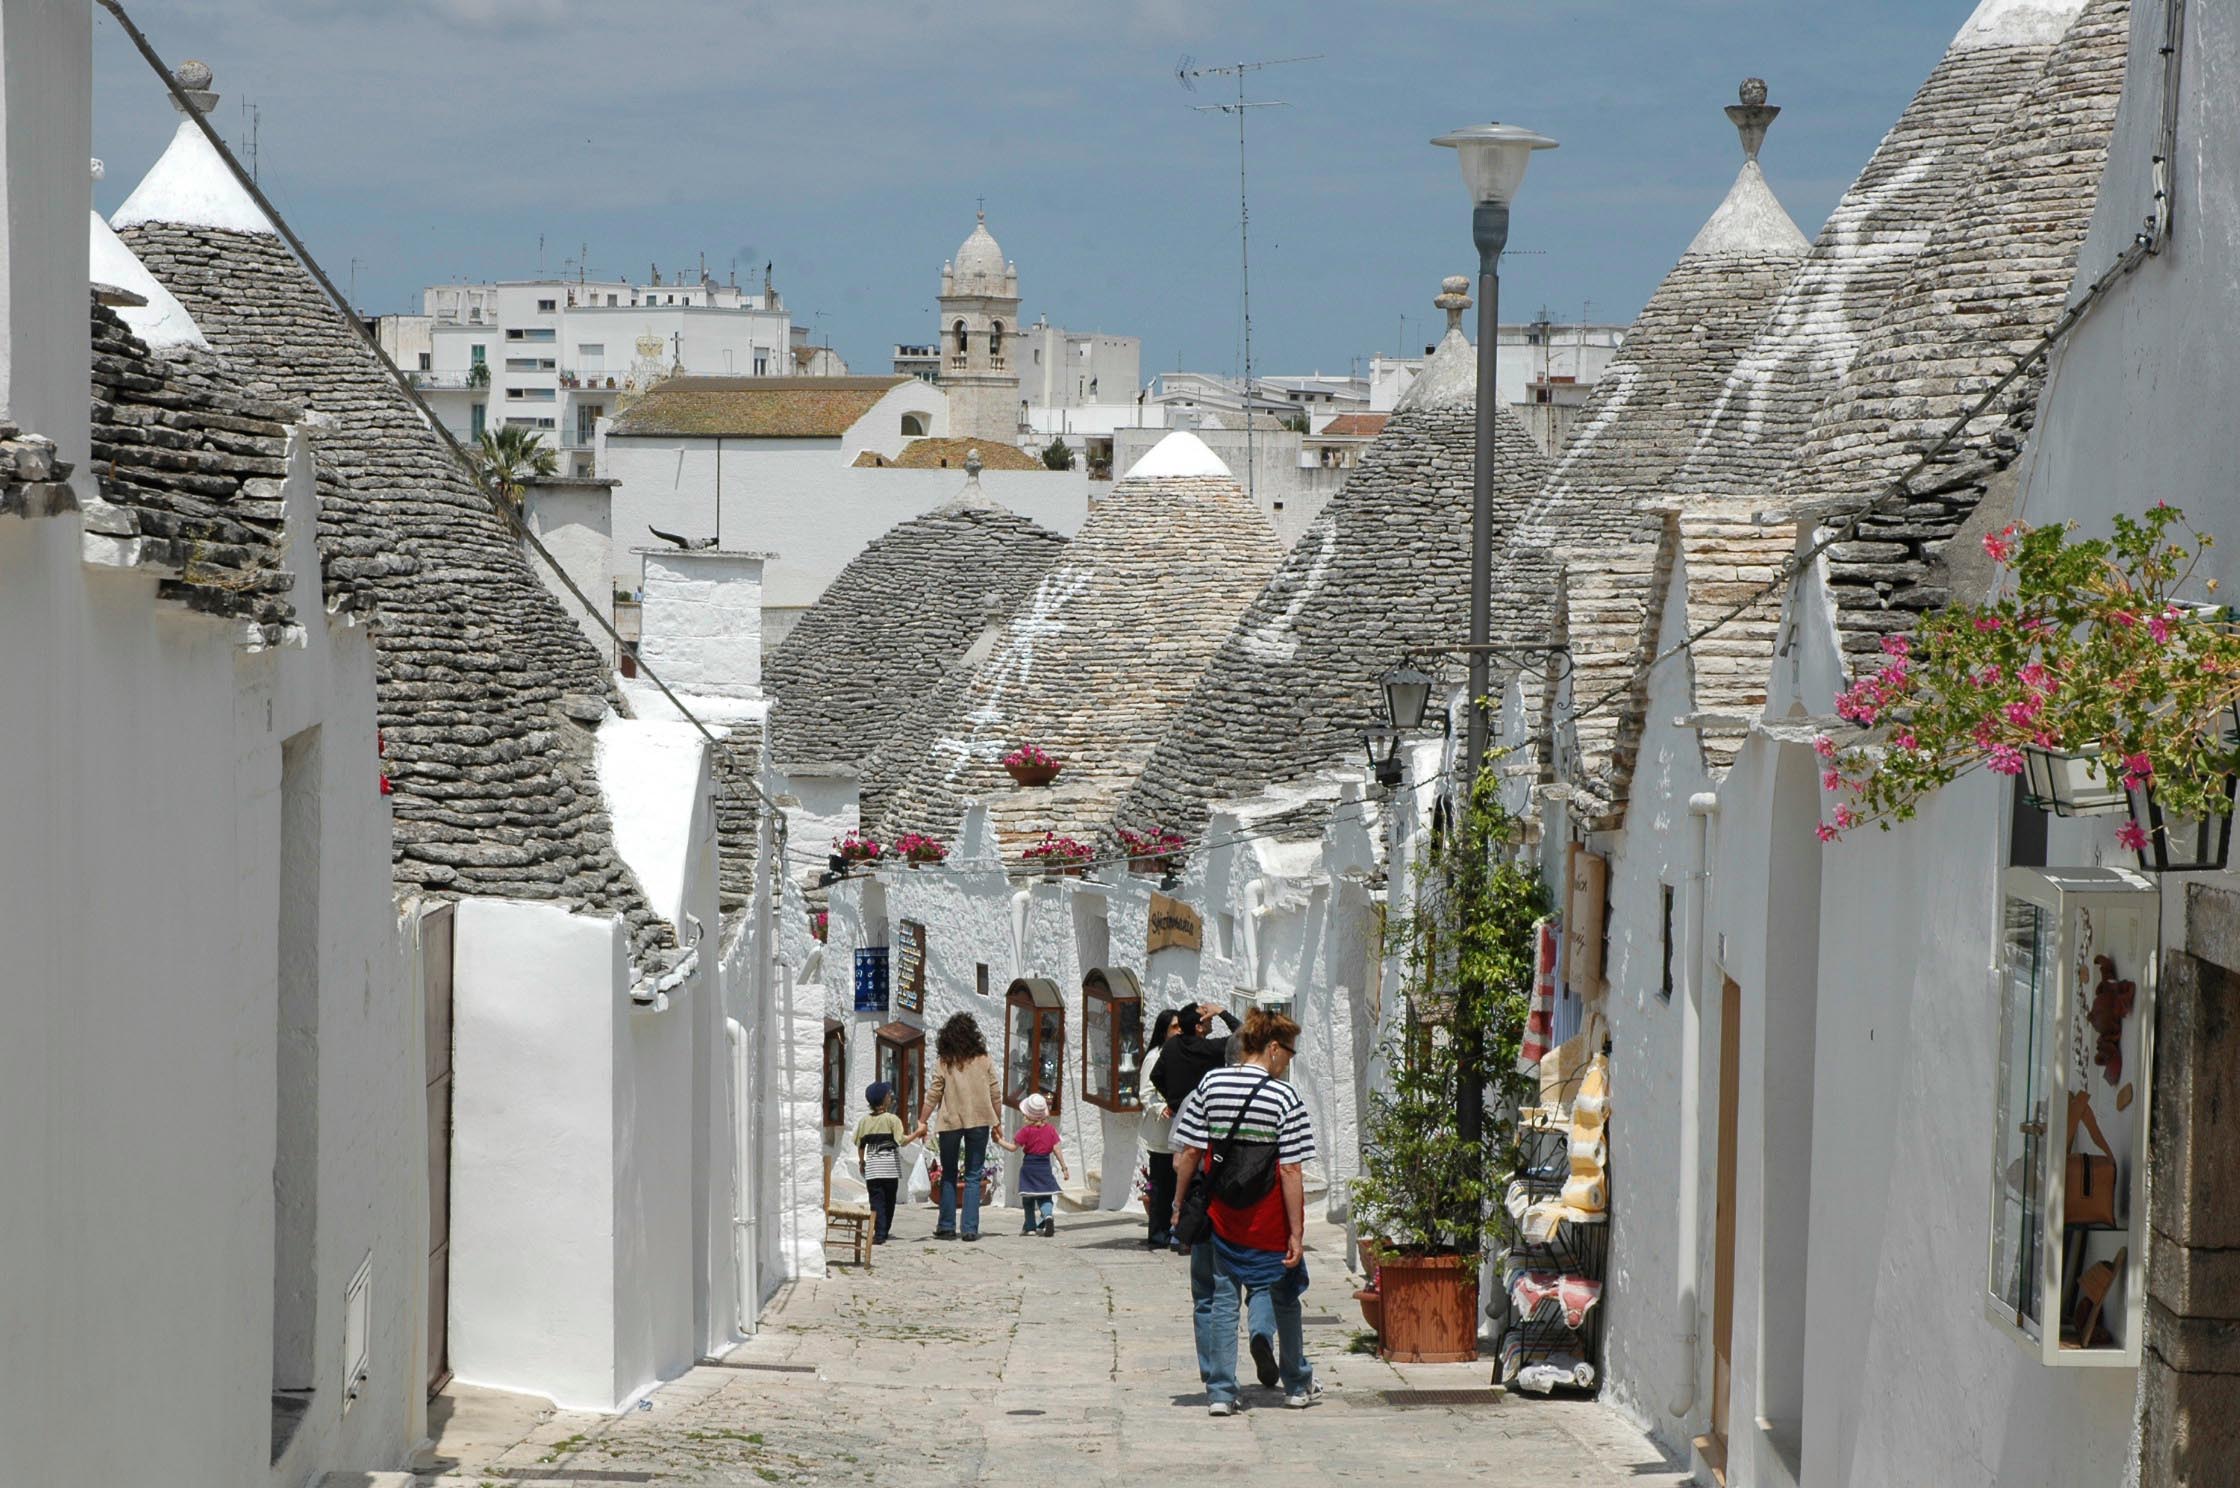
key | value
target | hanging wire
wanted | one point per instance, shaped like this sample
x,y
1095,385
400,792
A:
x,y
475,474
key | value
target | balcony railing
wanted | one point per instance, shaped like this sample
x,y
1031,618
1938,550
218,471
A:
x,y
444,380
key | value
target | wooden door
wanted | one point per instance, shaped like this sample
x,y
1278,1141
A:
x,y
1722,1240
435,963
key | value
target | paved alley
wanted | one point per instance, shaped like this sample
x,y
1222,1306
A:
x,y
1021,1360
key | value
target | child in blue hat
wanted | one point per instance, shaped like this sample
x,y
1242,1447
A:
x,y
879,1139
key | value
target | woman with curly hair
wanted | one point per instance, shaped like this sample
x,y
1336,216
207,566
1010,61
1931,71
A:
x,y
963,1104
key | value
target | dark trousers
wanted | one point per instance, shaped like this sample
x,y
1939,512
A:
x,y
1161,1205
882,1204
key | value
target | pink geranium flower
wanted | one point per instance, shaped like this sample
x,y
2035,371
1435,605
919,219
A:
x,y
1896,645
2137,770
1825,747
1987,622
1831,779
2133,836
1846,818
1906,741
2005,759
1824,832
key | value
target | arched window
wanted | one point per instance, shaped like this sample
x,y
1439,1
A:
x,y
914,424
960,338
995,339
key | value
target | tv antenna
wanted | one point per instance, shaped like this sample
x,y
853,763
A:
x,y
1187,73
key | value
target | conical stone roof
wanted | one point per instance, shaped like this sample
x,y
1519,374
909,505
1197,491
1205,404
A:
x,y
1093,666
1914,180
895,620
487,691
1993,279
1384,572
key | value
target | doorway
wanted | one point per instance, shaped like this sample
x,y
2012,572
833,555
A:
x,y
435,977
1714,1445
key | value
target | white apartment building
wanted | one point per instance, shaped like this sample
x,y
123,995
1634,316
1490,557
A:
x,y
557,355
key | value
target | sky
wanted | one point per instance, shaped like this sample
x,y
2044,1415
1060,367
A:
x,y
413,142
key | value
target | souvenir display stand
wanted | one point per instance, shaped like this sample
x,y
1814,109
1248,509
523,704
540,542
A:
x,y
871,979
1034,1041
835,1072
1111,1038
1552,1273
2076,987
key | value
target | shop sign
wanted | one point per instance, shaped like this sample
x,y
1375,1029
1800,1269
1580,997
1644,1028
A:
x,y
1174,925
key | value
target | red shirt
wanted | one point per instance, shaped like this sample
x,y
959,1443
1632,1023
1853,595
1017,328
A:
x,y
1262,1226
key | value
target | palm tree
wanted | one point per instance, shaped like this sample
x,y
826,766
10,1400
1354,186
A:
x,y
509,457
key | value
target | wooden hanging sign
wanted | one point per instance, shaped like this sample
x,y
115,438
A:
x,y
1174,926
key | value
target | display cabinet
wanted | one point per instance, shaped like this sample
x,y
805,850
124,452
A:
x,y
899,1058
1111,1038
835,1072
2076,979
1034,1041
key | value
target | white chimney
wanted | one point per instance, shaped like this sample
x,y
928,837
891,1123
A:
x,y
46,141
700,619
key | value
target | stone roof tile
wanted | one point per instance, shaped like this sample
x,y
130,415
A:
x,y
481,679
1093,666
892,623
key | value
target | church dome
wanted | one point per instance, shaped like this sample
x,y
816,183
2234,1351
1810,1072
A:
x,y
979,256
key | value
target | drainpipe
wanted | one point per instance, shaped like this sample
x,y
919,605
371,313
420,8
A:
x,y
1703,808
1255,905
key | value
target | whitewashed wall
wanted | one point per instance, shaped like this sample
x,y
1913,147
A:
x,y
139,899
802,501
1274,921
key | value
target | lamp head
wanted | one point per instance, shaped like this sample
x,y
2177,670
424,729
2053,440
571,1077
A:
x,y
1494,157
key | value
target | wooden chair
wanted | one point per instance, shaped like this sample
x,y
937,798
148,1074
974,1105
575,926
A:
x,y
851,1222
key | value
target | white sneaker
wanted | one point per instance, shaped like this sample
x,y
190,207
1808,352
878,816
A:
x,y
1221,1408
1311,1396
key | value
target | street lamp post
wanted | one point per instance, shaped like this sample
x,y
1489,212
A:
x,y
1494,157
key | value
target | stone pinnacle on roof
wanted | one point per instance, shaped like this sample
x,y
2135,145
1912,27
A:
x,y
1454,298
194,80
1753,116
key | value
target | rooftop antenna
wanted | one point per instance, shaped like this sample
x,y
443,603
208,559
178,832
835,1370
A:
x,y
354,262
1187,73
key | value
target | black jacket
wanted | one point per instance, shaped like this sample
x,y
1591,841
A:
x,y
1184,1060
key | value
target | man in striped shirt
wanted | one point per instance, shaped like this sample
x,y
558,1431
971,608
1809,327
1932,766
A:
x,y
1259,1245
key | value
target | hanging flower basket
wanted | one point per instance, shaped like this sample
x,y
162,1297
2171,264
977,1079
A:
x,y
856,848
2090,678
919,850
1153,852
1060,857
1030,765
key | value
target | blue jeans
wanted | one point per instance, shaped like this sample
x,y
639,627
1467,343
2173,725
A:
x,y
974,1144
1272,1310
1040,1208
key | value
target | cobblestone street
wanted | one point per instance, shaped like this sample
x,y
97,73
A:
x,y
1022,1360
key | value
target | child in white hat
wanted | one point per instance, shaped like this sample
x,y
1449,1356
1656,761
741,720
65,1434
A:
x,y
1038,1186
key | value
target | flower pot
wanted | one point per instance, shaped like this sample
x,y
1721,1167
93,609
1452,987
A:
x,y
1430,1308
1032,774
1062,870
1151,866
1372,1308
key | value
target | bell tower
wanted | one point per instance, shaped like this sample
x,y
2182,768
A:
x,y
979,339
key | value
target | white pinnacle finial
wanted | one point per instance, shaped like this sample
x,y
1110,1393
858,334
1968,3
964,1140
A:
x,y
193,78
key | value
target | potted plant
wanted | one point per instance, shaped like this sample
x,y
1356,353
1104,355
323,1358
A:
x,y
918,850
856,848
1428,1193
1154,851
1060,857
820,924
2088,673
1030,764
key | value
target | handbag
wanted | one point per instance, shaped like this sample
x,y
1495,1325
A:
x,y
2088,1193
1193,1223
